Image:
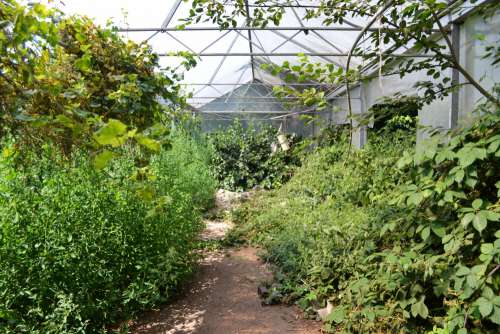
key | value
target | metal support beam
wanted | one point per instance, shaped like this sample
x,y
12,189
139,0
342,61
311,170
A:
x,y
318,35
455,76
285,41
215,41
250,45
289,54
223,60
180,42
324,28
266,98
259,84
238,83
171,14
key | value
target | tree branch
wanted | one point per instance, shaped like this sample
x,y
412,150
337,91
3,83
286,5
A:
x,y
459,67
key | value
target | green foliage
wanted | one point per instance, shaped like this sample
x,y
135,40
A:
x,y
397,112
306,71
396,244
67,80
81,249
243,158
453,194
88,239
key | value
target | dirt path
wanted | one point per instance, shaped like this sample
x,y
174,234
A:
x,y
222,299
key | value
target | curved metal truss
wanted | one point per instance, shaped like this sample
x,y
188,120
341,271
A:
x,y
231,58
234,54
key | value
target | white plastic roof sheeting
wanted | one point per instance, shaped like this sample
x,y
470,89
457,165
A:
x,y
215,76
223,74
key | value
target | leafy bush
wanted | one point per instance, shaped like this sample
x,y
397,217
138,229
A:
x,y
70,81
243,158
396,250
80,249
398,112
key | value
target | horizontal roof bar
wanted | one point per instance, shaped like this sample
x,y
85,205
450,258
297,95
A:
x,y
255,84
244,111
286,54
318,28
248,98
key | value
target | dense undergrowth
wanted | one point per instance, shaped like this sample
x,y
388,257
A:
x,y
100,202
81,248
396,241
243,158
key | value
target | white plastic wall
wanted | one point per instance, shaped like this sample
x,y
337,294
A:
x,y
437,115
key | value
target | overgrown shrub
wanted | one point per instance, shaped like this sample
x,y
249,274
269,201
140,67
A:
x,y
69,81
242,158
396,113
395,250
80,248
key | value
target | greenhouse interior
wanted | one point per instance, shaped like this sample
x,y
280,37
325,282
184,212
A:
x,y
250,166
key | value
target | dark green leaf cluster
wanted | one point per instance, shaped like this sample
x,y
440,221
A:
x,y
243,158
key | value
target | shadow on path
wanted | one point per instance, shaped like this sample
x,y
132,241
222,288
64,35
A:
x,y
223,300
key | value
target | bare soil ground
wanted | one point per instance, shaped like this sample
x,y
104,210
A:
x,y
222,298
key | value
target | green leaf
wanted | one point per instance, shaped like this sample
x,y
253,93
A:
x,y
420,309
492,216
477,203
468,218
444,154
369,314
459,176
425,233
487,248
111,133
462,271
84,63
414,198
494,146
438,229
102,159
485,306
480,222
149,143
495,317
337,315
467,155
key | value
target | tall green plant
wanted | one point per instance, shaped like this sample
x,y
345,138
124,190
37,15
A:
x,y
243,158
82,249
67,80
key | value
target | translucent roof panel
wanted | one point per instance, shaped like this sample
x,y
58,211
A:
x,y
230,58
228,61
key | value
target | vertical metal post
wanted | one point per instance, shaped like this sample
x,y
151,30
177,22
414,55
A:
x,y
250,44
455,76
362,105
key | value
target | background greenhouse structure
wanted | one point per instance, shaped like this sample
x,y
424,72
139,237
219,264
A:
x,y
250,166
230,83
